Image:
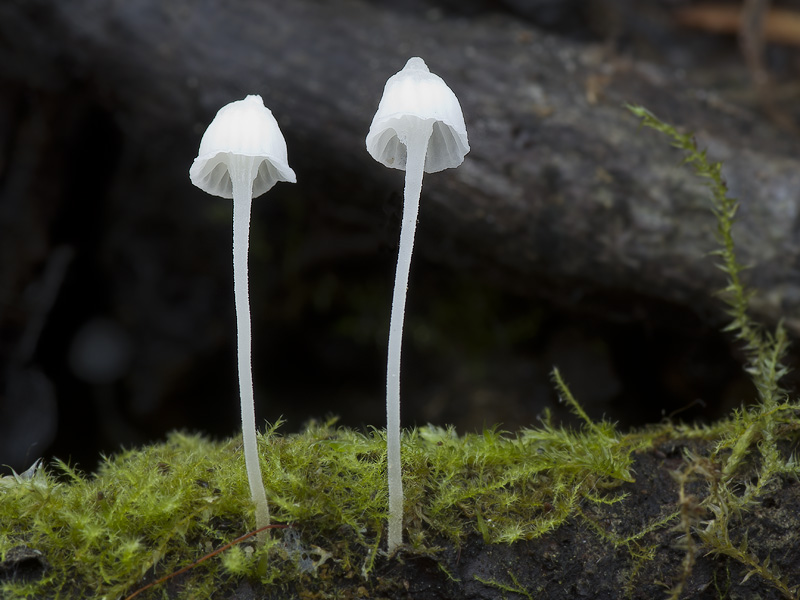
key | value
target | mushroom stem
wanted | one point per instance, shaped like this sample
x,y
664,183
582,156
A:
x,y
243,171
416,142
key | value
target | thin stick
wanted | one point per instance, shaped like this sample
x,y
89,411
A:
x,y
205,558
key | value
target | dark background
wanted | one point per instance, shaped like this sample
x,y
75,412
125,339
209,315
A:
x,y
116,314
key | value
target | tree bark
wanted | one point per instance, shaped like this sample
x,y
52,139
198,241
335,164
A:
x,y
562,193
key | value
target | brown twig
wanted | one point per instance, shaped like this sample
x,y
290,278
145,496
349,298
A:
x,y
755,22
205,558
751,38
780,26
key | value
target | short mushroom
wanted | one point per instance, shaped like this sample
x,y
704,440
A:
x,y
242,155
418,127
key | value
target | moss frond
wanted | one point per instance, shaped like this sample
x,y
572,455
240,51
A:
x,y
766,351
513,588
748,429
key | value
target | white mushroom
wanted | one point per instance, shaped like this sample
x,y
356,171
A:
x,y
242,155
418,127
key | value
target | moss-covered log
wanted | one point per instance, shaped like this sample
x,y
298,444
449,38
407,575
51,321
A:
x,y
547,513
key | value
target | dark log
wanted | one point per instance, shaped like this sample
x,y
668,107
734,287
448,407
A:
x,y
562,197
561,194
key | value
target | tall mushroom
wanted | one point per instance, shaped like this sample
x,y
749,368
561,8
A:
x,y
418,127
242,155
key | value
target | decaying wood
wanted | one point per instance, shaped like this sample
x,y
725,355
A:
x,y
561,191
779,25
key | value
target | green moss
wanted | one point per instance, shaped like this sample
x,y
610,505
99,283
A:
x,y
516,588
161,507
746,459
150,511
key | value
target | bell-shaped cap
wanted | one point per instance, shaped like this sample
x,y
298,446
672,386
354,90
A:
x,y
242,128
417,94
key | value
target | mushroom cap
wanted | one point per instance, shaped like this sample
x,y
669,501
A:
x,y
242,128
411,95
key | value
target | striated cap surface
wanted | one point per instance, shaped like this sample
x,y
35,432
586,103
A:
x,y
242,128
417,94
